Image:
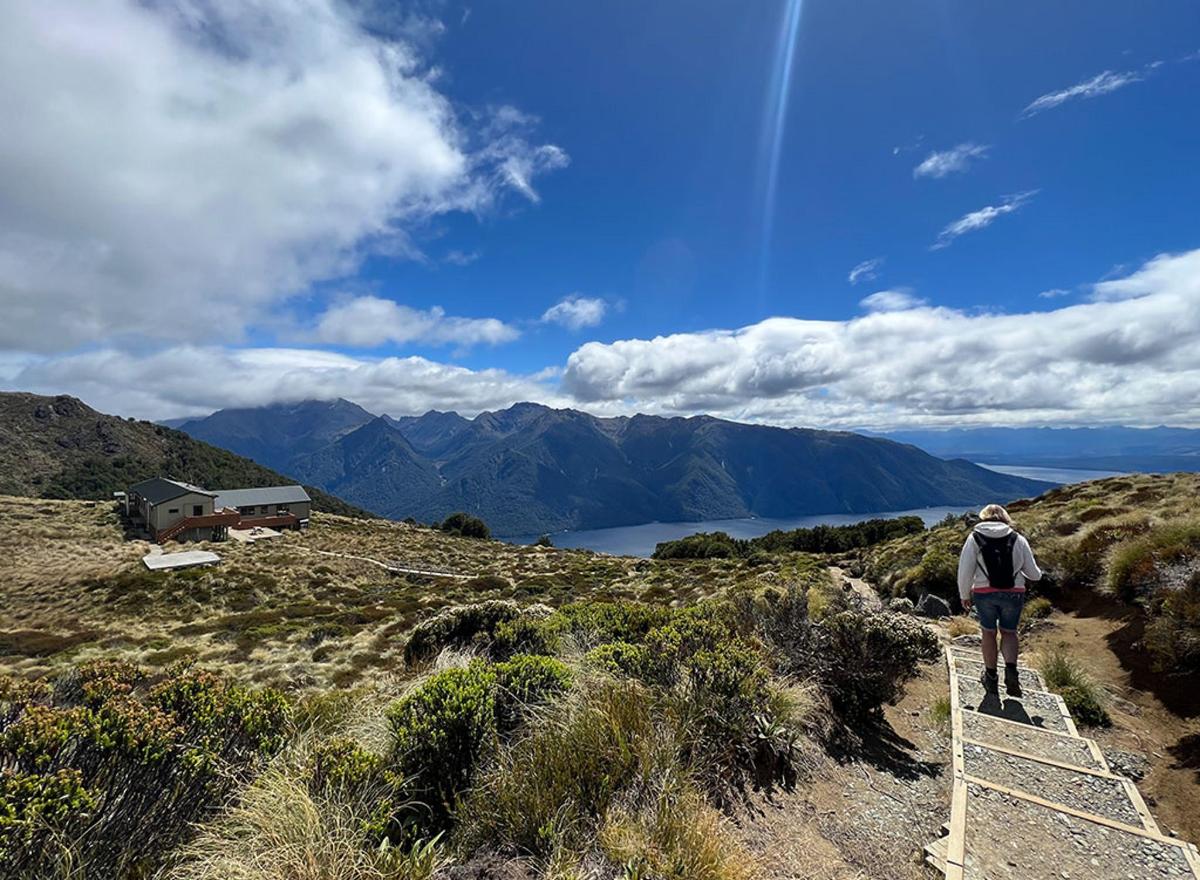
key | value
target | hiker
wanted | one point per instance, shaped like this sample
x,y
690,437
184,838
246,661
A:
x,y
993,568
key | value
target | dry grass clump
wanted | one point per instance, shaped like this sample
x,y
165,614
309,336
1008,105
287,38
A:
x,y
961,626
279,830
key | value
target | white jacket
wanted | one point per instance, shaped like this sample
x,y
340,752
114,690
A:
x,y
971,574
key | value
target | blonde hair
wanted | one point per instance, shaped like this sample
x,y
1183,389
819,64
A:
x,y
995,513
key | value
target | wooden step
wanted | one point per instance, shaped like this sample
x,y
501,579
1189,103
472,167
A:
x,y
1010,837
1037,708
1061,747
1096,792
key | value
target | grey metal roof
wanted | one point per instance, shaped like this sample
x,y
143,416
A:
x,y
156,490
255,497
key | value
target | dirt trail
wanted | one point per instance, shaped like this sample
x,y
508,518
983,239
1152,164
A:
x,y
860,587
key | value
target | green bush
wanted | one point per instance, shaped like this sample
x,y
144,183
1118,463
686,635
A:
x,y
459,626
442,732
866,658
619,658
36,807
524,683
340,767
1082,565
465,526
136,767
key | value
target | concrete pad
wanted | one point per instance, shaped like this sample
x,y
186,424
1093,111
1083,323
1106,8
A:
x,y
186,559
249,536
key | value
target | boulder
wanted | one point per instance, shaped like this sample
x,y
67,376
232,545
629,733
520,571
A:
x,y
933,606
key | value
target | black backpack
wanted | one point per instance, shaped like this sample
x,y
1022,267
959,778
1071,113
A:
x,y
996,557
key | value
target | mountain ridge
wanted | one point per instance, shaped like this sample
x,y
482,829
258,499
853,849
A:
x,y
59,447
531,468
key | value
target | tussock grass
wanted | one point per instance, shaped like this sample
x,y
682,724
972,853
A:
x,y
278,830
961,625
1066,676
939,711
1141,565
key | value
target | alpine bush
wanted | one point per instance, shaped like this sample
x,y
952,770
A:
x,y
524,683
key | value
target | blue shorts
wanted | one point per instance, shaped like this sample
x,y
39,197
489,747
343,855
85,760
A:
x,y
1002,608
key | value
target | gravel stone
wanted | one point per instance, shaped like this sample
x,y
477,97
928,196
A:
x,y
1031,740
1083,791
1010,838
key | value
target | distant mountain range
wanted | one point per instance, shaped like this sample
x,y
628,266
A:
x,y
530,469
59,447
1147,450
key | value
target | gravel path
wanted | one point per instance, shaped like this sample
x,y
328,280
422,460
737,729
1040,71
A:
x,y
1011,838
1083,791
1039,743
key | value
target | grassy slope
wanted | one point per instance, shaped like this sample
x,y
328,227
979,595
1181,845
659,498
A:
x,y
1073,531
58,447
277,611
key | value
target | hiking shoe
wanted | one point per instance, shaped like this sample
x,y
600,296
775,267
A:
x,y
990,681
1012,681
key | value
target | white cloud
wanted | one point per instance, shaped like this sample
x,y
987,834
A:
x,y
982,218
1100,84
1054,293
576,312
1127,356
370,321
178,171
1130,356
891,301
867,270
956,159
189,380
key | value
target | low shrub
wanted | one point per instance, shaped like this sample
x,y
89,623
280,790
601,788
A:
x,y
133,764
869,656
466,526
442,732
619,658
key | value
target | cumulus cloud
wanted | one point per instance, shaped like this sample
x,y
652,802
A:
x,y
1128,356
891,300
956,159
179,170
981,219
370,321
576,312
867,270
191,380
1100,84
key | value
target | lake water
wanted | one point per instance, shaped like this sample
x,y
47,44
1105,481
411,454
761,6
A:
x,y
641,540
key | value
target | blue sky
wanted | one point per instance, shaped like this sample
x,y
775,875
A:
x,y
616,155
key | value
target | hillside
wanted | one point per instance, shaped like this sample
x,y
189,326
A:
x,y
58,447
654,700
531,469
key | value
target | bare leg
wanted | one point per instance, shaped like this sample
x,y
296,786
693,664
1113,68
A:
x,y
1008,644
989,648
